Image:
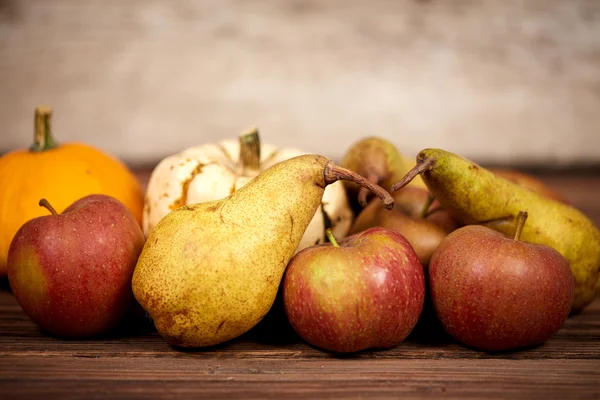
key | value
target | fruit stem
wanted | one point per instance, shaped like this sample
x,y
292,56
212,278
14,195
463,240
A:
x,y
422,166
363,193
44,203
333,173
42,134
424,212
521,218
250,150
331,238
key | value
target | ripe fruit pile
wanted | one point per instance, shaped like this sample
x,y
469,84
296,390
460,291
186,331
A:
x,y
504,259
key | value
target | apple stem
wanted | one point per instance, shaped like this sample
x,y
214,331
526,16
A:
x,y
250,150
335,173
363,193
331,238
44,203
521,218
424,212
422,166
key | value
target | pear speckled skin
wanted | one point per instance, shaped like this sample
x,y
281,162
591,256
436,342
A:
x,y
378,160
210,271
529,182
475,195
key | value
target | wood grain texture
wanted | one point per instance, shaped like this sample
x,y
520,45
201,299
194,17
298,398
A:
x,y
270,361
146,78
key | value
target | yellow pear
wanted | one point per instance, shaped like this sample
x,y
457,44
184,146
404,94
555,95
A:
x,y
476,195
210,271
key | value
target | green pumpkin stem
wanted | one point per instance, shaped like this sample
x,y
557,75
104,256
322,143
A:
x,y
42,139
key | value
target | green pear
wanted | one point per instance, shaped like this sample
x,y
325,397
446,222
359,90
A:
x,y
210,271
379,161
475,196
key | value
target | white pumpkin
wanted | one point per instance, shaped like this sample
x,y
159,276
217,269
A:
x,y
216,170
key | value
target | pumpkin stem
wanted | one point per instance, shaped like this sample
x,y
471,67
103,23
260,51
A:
x,y
42,138
250,150
44,203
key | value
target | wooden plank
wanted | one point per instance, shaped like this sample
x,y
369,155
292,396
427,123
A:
x,y
272,378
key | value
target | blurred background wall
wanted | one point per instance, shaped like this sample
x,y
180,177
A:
x,y
498,81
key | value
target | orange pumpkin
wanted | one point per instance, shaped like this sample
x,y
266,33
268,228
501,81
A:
x,y
61,174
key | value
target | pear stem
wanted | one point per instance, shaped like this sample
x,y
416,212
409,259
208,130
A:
x,y
521,219
425,212
363,193
331,238
44,203
250,150
333,173
42,134
422,166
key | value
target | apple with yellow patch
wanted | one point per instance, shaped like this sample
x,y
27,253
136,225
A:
x,y
71,272
366,292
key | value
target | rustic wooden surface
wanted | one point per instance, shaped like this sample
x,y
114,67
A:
x,y
272,362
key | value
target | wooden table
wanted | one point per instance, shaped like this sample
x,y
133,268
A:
x,y
272,362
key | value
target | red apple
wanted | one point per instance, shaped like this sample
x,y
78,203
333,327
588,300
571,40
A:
x,y
71,272
494,293
366,292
